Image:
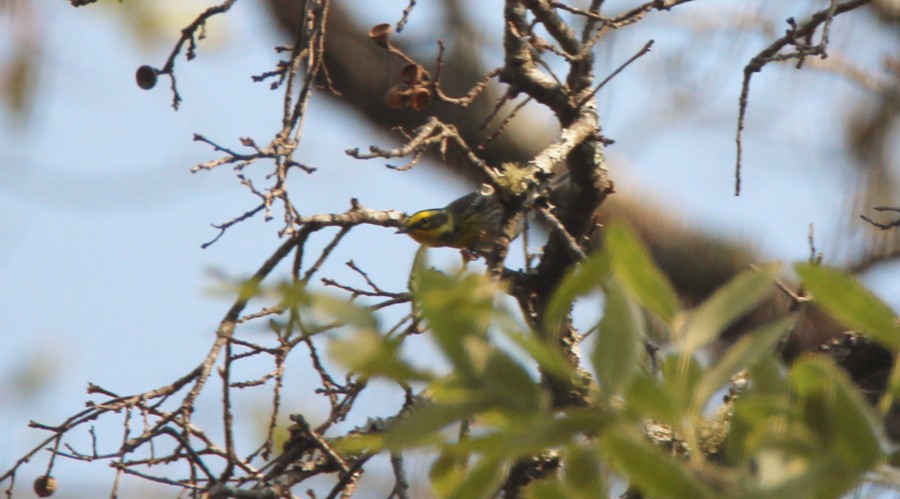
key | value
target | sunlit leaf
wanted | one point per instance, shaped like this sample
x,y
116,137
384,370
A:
x,y
358,444
580,280
583,473
340,310
618,348
458,310
509,385
482,480
760,421
894,459
530,434
248,289
851,303
649,469
789,474
705,323
547,488
369,355
422,425
768,376
634,268
293,294
751,347
681,374
648,398
446,473
547,357
834,408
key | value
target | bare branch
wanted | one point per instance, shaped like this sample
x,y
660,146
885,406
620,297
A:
x,y
644,50
797,36
883,226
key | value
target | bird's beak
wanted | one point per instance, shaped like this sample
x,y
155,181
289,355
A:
x,y
403,230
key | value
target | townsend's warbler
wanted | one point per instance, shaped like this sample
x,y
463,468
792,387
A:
x,y
472,222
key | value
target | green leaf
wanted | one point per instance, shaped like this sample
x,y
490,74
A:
x,y
583,473
680,375
359,444
760,422
370,355
851,303
752,346
546,355
786,475
647,398
833,407
653,472
617,353
705,323
483,480
446,471
339,309
508,385
894,459
547,488
531,434
423,424
458,309
634,268
768,377
580,280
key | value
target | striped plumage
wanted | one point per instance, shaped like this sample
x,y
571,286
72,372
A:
x,y
471,222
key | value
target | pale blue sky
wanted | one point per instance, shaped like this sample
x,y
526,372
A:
x,y
104,278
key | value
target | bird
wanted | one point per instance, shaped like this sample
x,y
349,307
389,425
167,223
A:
x,y
472,222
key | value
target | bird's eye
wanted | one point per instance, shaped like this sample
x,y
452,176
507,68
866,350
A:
x,y
431,221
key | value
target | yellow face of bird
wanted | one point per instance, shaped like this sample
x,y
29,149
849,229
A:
x,y
430,227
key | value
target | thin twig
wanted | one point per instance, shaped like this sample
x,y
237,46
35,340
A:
x,y
406,12
802,50
560,229
401,484
883,226
644,50
512,114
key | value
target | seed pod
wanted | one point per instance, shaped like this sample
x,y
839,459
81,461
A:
x,y
45,486
146,77
398,96
413,74
420,98
380,34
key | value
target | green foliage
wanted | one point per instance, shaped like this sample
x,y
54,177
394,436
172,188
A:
x,y
814,433
583,472
458,310
369,355
578,281
706,322
799,431
648,397
750,349
859,309
633,268
852,304
835,412
482,480
618,350
652,471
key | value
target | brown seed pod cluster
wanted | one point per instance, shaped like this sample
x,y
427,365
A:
x,y
416,87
